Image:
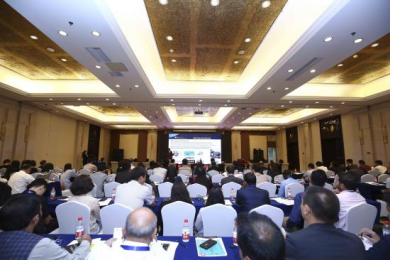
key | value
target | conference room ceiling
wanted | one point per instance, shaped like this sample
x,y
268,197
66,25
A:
x,y
119,60
209,43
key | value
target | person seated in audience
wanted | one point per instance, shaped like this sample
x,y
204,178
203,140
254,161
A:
x,y
319,165
321,240
136,190
258,171
350,165
99,178
348,197
381,245
318,178
13,167
215,196
18,218
179,192
46,222
364,167
201,178
185,168
67,177
5,193
273,169
172,171
42,163
6,163
287,179
259,238
81,190
19,180
308,172
250,196
101,164
230,170
378,165
160,170
123,172
139,241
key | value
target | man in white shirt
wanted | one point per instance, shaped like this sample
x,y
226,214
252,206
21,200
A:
x,y
380,167
348,197
160,171
139,240
135,191
19,180
319,165
185,168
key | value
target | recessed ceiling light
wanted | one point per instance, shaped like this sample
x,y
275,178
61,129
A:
x,y
286,88
173,104
163,2
356,56
312,70
169,38
98,66
50,50
79,99
136,86
340,65
117,85
173,60
50,99
34,37
96,33
229,101
290,101
265,4
282,106
214,3
328,39
200,100
236,61
114,103
268,88
241,52
62,33
171,50
375,45
247,40
63,59
290,70
172,100
342,103
62,103
107,99
358,40
330,106
317,102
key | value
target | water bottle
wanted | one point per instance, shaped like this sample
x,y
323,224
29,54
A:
x,y
185,231
232,195
234,237
386,229
289,195
113,195
79,229
53,194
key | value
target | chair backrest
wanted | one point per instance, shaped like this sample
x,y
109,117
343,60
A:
x,y
278,178
246,171
294,188
114,216
375,172
212,172
109,188
173,216
239,175
265,172
274,213
157,179
186,172
184,178
269,178
217,178
367,178
360,216
330,173
387,183
271,188
164,189
196,190
383,208
228,187
382,178
67,214
218,220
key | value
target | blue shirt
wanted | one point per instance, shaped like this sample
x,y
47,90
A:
x,y
295,216
283,184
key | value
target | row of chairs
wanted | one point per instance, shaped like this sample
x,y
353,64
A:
x,y
369,178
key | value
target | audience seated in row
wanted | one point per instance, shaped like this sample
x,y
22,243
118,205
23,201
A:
x,y
250,197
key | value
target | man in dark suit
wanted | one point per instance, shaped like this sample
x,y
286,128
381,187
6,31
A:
x,y
231,177
172,171
321,240
251,197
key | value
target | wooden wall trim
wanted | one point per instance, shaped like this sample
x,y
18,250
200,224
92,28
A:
x,y
245,145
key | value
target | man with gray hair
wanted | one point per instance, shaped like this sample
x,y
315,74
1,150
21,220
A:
x,y
139,240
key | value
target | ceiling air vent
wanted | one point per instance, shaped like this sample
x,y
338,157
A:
x,y
304,68
117,67
98,55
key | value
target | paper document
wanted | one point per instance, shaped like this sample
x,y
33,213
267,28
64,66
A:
x,y
228,202
105,202
282,200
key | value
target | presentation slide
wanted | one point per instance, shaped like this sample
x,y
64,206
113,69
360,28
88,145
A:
x,y
195,147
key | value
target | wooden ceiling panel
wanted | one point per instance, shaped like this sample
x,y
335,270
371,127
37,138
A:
x,y
211,37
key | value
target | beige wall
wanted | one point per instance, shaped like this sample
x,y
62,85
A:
x,y
236,145
281,149
152,145
27,132
129,143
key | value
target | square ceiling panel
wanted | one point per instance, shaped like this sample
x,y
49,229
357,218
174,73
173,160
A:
x,y
38,58
371,63
208,42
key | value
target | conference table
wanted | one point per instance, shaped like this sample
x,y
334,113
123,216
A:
x,y
184,251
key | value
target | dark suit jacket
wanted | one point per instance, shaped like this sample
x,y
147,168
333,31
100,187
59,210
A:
x,y
172,172
251,197
324,242
231,178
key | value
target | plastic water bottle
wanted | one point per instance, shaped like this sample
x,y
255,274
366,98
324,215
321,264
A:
x,y
79,229
185,231
234,237
53,194
232,195
289,195
113,194
386,229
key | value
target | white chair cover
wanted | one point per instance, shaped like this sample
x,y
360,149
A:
x,y
218,220
269,178
374,172
293,189
212,173
360,216
185,172
383,208
271,188
265,172
388,183
67,214
109,188
382,178
173,216
228,187
216,179
278,179
184,178
114,216
196,190
239,175
164,189
366,178
156,179
274,213
246,171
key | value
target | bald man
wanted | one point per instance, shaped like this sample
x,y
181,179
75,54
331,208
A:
x,y
139,240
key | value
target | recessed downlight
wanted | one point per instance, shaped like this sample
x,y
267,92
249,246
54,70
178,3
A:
x,y
163,2
282,106
63,59
172,100
62,33
96,33
247,40
169,38
268,88
136,86
317,102
340,65
358,40
173,60
312,71
171,50
51,99
79,99
265,4
290,70
236,61
114,104
343,103
356,56
107,99
328,39
330,106
50,49
98,66
290,101
241,52
375,45
117,85
33,37
214,3
286,88
200,100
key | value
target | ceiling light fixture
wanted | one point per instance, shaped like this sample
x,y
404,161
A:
x,y
169,38
50,50
96,33
330,106
358,40
214,3
171,50
136,86
356,56
328,39
236,61
117,85
62,33
342,103
317,102
241,52
286,88
375,45
51,99
98,66
173,60
340,65
265,4
247,40
163,2
282,106
79,99
290,101
34,37
172,100
63,59
290,70
114,103
107,99
313,71
268,88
